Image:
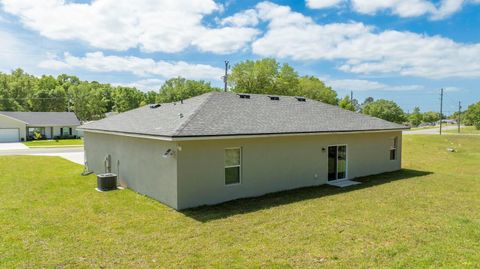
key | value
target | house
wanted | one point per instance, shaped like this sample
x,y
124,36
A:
x,y
222,146
447,121
21,126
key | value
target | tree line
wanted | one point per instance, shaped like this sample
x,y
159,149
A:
x,y
90,100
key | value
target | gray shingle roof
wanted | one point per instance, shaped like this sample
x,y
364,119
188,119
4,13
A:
x,y
44,118
225,114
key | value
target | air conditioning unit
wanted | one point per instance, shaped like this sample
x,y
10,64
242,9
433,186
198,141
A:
x,y
106,182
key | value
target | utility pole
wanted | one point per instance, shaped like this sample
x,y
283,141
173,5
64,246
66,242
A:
x,y
225,78
441,109
351,96
459,114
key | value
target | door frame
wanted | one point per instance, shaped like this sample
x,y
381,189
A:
x,y
346,162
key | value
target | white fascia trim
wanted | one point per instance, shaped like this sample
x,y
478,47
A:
x,y
163,138
193,138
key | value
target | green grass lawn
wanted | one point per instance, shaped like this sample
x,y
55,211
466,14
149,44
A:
x,y
427,215
53,143
465,130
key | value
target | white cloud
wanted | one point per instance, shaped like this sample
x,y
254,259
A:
x,y
368,85
248,17
402,8
363,49
152,84
16,52
452,89
319,4
98,62
164,25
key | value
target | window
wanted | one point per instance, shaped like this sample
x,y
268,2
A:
x,y
393,149
232,166
33,130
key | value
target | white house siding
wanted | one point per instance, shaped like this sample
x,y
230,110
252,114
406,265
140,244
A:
x,y
9,123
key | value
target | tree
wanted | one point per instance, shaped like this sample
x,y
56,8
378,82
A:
x,y
313,88
255,76
46,96
431,117
179,88
345,103
287,81
125,98
472,115
385,109
20,91
151,97
415,118
88,102
367,101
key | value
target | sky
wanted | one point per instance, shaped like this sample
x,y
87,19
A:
x,y
401,50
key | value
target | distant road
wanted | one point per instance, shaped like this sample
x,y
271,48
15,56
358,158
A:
x,y
432,130
39,151
74,154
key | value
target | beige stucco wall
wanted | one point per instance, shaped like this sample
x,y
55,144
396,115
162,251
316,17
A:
x,y
275,163
142,167
195,176
8,123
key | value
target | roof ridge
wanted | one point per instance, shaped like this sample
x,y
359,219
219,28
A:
x,y
194,113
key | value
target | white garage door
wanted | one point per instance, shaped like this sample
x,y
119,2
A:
x,y
8,135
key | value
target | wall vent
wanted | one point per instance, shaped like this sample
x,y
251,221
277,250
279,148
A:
x,y
244,96
274,98
155,106
301,99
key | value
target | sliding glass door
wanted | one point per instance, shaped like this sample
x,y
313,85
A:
x,y
337,162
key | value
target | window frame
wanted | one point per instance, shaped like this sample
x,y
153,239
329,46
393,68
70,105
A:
x,y
393,148
231,166
31,131
346,162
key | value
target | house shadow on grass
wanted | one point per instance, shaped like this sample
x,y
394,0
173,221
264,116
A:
x,y
248,205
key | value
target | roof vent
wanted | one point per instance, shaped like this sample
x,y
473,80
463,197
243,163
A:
x,y
244,96
155,106
301,99
274,98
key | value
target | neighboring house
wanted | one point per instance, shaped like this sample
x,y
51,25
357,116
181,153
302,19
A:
x,y
21,126
447,121
223,146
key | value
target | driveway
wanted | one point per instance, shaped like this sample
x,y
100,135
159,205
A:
x,y
431,130
73,154
12,146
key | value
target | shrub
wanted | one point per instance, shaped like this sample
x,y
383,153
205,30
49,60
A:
x,y
37,136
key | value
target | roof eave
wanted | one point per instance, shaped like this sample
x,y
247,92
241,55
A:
x,y
236,136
